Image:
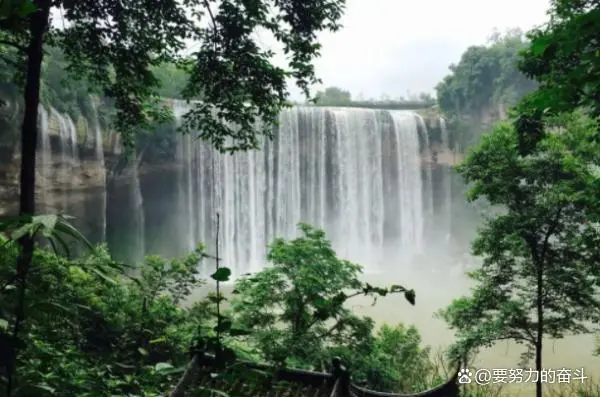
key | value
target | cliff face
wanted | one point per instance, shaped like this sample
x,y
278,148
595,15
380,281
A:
x,y
70,161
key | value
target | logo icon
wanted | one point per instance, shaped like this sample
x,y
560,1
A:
x,y
464,376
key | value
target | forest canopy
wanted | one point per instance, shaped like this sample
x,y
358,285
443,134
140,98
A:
x,y
483,85
485,76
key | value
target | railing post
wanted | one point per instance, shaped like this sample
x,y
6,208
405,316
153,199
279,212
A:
x,y
342,376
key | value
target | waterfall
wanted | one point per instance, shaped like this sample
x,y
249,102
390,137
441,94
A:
x,y
65,129
44,161
65,176
447,183
354,172
427,174
138,247
99,158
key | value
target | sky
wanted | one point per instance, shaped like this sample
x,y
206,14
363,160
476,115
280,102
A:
x,y
398,46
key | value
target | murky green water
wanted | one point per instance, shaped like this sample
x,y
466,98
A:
x,y
436,291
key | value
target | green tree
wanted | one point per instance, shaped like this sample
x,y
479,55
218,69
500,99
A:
x,y
485,78
93,331
333,96
115,44
391,360
296,306
540,275
563,58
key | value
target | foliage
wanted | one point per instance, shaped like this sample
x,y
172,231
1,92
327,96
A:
x,y
539,276
92,331
56,229
16,9
67,95
333,96
563,58
173,80
296,307
485,77
232,74
391,360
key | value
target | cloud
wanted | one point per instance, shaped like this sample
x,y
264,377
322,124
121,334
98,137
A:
x,y
395,46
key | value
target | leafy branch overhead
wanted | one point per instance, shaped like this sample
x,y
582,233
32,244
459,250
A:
x,y
241,91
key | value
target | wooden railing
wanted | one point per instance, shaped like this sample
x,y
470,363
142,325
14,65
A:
x,y
247,378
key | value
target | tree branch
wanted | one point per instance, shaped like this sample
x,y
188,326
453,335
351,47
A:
x,y
212,17
214,23
550,231
330,330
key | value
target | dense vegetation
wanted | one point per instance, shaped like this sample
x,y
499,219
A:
x,y
540,274
484,84
115,46
334,96
85,102
93,330
92,327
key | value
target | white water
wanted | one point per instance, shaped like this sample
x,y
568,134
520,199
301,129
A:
x,y
447,183
354,172
138,246
99,154
60,169
44,161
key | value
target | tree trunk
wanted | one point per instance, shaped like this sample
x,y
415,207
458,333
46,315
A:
x,y
38,24
540,330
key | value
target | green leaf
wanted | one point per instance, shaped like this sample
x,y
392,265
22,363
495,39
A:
x,y
39,389
397,288
143,351
214,392
124,366
222,274
223,326
61,307
103,276
48,222
63,226
3,324
539,45
410,296
161,367
22,231
216,299
172,371
56,241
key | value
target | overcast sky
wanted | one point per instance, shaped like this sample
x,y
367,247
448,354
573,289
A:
x,y
395,46
398,46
